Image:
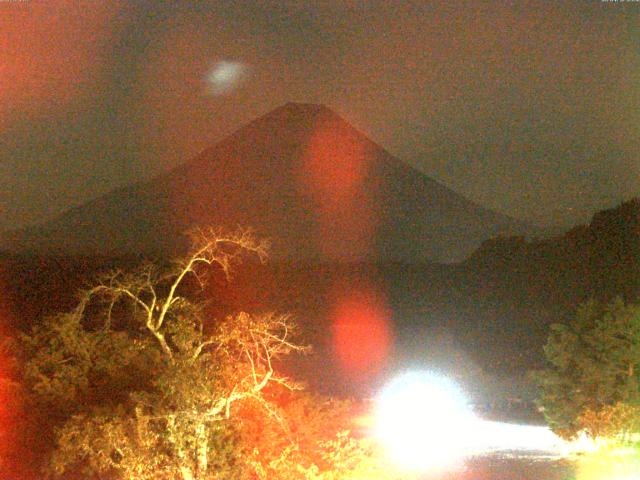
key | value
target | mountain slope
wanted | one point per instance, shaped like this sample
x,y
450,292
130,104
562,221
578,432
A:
x,y
299,175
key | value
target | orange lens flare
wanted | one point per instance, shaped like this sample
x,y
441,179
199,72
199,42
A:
x,y
50,52
361,333
336,165
10,405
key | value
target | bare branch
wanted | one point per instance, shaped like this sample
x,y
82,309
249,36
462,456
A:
x,y
198,350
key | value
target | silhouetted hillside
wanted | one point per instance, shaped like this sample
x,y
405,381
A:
x,y
601,259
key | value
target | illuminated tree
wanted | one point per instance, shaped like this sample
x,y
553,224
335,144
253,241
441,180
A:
x,y
593,379
342,457
138,388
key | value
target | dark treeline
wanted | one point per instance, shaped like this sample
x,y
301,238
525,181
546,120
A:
x,y
495,307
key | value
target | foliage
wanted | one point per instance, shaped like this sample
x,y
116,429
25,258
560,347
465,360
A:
x,y
620,420
593,379
316,445
342,457
137,388
349,458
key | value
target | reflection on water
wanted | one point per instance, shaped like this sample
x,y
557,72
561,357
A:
x,y
489,450
516,466
521,465
507,451
513,439
510,466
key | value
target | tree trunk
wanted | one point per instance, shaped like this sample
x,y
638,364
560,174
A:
x,y
202,449
187,474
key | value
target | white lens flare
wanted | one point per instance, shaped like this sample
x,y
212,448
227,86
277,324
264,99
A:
x,y
224,76
425,424
421,419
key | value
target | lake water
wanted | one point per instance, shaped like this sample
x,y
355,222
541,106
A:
x,y
516,466
513,451
522,465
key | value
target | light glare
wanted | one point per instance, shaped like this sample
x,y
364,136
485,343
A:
x,y
421,418
609,464
425,424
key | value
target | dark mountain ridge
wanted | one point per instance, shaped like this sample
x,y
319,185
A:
x,y
299,175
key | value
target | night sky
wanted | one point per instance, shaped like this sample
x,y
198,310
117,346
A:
x,y
530,108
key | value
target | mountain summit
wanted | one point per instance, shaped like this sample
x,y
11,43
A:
x,y
300,175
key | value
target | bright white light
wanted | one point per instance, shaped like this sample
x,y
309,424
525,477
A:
x,y
497,436
425,424
609,464
224,76
422,420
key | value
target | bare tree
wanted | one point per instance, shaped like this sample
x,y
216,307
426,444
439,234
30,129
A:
x,y
139,388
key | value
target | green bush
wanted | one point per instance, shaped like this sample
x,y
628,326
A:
x,y
593,378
